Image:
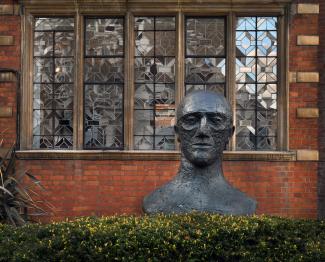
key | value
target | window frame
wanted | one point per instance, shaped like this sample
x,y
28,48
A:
x,y
179,9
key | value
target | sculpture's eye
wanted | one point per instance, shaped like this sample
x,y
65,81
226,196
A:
x,y
216,119
190,120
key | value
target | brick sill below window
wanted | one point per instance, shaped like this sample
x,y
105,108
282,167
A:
x,y
149,155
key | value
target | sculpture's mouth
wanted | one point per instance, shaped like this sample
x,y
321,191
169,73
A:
x,y
201,145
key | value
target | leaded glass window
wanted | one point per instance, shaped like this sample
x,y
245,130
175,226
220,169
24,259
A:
x,y
134,71
154,99
103,82
205,54
53,83
256,83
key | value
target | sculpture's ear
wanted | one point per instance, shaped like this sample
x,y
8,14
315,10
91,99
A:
x,y
177,133
231,131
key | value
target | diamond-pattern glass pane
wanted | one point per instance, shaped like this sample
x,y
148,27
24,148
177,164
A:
x,y
104,82
43,70
205,70
104,37
266,69
266,123
104,70
64,44
205,36
165,43
64,69
56,96
267,96
165,142
145,43
245,122
245,43
103,116
246,96
54,47
145,69
256,88
154,94
43,44
267,43
165,70
219,88
205,61
143,122
246,70
144,96
143,142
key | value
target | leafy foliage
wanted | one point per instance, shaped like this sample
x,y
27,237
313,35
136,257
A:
x,y
16,197
192,237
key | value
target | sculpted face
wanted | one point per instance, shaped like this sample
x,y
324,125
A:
x,y
204,126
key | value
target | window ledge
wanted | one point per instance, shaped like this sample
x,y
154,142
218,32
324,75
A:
x,y
149,155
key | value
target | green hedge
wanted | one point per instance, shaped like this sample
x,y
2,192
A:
x,y
193,237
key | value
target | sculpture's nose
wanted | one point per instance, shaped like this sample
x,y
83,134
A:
x,y
203,122
203,130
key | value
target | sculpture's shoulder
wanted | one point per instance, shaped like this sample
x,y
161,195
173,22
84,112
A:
x,y
182,196
163,200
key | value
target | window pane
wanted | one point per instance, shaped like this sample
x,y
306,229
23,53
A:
x,y
104,83
154,96
257,82
103,116
205,36
53,83
205,57
104,37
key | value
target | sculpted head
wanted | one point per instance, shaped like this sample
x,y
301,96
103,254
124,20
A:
x,y
204,126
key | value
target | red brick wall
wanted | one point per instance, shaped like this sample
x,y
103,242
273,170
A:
x,y
78,188
321,106
9,58
303,133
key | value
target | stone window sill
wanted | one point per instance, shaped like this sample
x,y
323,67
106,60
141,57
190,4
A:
x,y
149,155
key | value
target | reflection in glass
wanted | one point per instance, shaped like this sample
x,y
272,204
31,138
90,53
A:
x,y
205,57
54,46
256,83
154,94
103,83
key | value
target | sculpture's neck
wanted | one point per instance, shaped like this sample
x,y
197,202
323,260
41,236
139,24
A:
x,y
213,171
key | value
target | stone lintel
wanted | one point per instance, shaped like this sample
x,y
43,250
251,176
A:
x,y
307,77
307,155
6,40
292,77
5,111
7,77
308,8
9,9
307,40
307,112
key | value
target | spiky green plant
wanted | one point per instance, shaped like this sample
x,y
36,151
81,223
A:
x,y
18,199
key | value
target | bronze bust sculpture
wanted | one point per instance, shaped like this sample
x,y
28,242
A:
x,y
204,127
